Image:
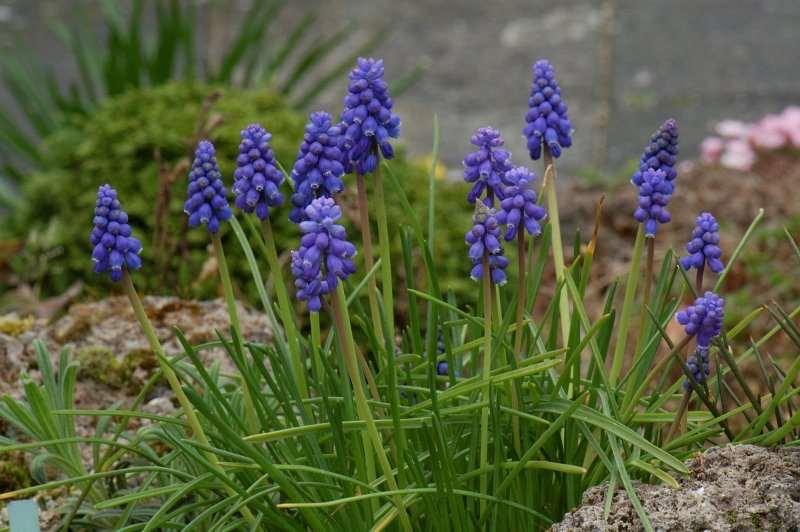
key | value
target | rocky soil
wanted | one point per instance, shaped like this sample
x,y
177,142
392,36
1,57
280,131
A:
x,y
114,357
115,360
738,487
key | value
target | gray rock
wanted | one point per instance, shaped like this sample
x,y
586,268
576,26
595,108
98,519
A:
x,y
737,487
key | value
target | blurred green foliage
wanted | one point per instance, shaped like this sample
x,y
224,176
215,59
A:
x,y
122,142
772,279
149,43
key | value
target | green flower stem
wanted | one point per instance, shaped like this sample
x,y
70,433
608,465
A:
x,y
285,309
369,260
648,282
227,287
174,383
698,281
648,275
230,300
388,294
558,247
679,416
345,334
485,374
316,347
386,257
519,332
627,308
522,292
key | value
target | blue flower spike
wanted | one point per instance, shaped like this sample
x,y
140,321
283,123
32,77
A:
x,y
319,166
518,208
486,167
114,249
367,119
484,242
257,178
703,318
325,255
654,195
699,366
547,121
206,202
660,154
703,248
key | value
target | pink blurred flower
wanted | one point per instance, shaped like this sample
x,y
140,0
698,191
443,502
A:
x,y
736,145
738,155
791,124
792,115
733,129
794,137
768,133
711,149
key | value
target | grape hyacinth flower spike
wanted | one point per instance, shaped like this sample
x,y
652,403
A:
x,y
654,194
547,132
699,366
115,250
367,119
257,179
660,154
489,265
487,166
484,242
257,182
655,181
318,167
703,318
206,203
547,122
325,255
703,248
520,213
518,207
368,124
442,367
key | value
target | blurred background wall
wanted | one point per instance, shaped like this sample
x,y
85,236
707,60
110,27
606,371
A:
x,y
623,65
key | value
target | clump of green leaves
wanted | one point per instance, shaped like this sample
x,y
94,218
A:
x,y
284,456
359,428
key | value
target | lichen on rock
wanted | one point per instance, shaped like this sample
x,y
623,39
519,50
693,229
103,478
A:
x,y
14,325
737,487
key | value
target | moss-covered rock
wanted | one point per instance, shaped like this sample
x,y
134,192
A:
x,y
122,142
13,325
14,472
101,365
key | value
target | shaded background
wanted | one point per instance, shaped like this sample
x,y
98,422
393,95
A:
x,y
623,65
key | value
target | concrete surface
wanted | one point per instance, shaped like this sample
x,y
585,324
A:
x,y
623,65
